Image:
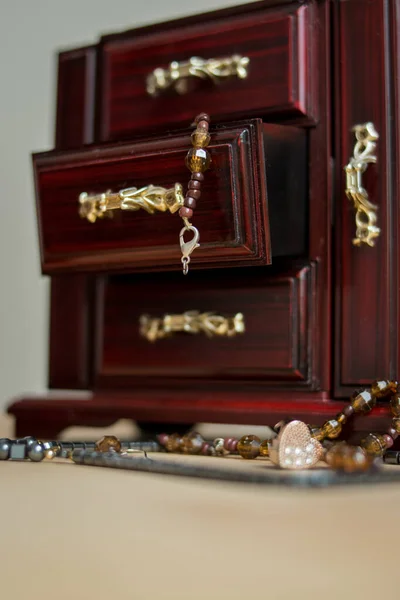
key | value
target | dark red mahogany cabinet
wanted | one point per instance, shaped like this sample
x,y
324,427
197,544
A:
x,y
292,299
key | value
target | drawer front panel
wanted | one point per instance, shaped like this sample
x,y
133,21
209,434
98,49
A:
x,y
275,346
277,82
231,215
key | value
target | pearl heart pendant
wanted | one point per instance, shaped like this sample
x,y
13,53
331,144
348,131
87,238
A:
x,y
294,448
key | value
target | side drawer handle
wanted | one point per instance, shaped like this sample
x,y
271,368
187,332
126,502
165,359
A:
x,y
214,69
210,323
150,198
364,153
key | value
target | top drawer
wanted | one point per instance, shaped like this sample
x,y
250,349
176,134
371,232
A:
x,y
274,80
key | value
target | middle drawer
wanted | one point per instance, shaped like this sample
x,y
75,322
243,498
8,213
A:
x,y
248,159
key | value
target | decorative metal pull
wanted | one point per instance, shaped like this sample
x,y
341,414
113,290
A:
x,y
214,69
364,153
191,322
150,198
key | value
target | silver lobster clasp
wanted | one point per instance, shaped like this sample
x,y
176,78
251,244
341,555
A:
x,y
188,247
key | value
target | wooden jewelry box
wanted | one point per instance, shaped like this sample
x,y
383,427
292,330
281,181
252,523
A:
x,y
292,299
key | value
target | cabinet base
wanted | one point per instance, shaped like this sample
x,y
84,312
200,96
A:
x,y
47,416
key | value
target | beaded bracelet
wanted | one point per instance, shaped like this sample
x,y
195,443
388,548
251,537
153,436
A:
x,y
197,161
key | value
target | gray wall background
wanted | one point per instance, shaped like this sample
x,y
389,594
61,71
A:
x,y
30,33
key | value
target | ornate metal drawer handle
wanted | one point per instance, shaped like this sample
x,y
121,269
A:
x,y
150,198
177,73
364,153
191,322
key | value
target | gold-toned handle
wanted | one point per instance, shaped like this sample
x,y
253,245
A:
x,y
214,69
366,211
150,198
191,322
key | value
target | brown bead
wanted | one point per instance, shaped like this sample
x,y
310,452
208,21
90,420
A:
x,y
264,448
363,401
396,424
192,443
194,185
233,445
331,429
108,443
200,138
384,388
348,411
227,442
198,160
249,446
185,213
205,449
174,443
202,117
388,440
395,405
341,418
162,438
374,444
197,177
190,202
203,126
196,194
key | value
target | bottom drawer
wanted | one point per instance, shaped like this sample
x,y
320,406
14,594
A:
x,y
260,328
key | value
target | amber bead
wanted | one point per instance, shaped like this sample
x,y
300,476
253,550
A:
x,y
363,401
192,443
194,185
374,444
198,160
348,458
173,444
381,389
341,418
185,212
197,177
395,405
193,194
200,138
394,434
249,446
396,424
316,433
331,429
108,443
190,202
264,448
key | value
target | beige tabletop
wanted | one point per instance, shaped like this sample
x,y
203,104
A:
x,y
81,532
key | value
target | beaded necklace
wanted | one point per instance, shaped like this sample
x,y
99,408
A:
x,y
294,442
